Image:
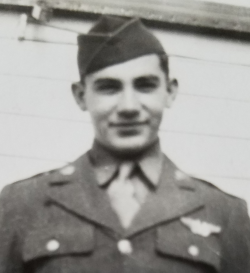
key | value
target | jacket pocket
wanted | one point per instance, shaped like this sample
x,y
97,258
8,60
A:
x,y
176,241
55,241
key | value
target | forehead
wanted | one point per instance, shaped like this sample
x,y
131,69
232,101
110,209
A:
x,y
138,67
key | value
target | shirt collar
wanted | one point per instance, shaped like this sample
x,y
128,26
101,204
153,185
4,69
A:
x,y
106,163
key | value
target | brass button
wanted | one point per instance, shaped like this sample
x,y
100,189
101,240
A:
x,y
125,246
193,250
52,245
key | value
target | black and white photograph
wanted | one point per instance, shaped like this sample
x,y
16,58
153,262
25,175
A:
x,y
124,136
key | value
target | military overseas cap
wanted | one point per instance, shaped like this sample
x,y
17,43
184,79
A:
x,y
114,40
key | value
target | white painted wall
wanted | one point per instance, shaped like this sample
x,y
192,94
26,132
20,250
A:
x,y
207,132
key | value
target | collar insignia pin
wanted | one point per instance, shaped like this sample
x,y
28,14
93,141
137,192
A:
x,y
68,170
199,227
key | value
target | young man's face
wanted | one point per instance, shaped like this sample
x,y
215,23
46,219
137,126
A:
x,y
126,103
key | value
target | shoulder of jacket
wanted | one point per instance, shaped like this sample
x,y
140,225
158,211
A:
x,y
40,179
216,189
57,176
29,191
207,188
33,179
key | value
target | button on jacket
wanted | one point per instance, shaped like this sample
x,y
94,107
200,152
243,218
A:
x,y
62,222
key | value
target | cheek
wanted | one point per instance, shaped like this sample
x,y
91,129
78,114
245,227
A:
x,y
155,103
99,108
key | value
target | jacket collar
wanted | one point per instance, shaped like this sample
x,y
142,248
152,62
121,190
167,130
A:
x,y
176,195
106,164
77,192
75,189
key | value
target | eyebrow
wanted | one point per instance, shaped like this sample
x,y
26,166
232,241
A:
x,y
104,81
147,78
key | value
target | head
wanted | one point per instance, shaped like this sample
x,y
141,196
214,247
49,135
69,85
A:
x,y
127,93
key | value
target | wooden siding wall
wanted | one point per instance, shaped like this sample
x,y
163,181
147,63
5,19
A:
x,y
206,133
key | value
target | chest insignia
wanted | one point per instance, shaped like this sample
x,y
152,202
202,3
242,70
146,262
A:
x,y
199,227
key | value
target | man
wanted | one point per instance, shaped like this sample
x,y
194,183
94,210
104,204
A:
x,y
123,206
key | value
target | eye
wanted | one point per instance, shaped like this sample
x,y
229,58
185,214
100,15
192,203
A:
x,y
146,84
107,86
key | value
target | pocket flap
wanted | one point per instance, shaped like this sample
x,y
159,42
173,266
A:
x,y
58,241
178,241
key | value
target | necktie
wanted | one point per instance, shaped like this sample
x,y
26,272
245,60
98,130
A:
x,y
122,195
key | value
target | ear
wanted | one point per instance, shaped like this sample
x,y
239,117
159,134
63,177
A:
x,y
172,90
78,90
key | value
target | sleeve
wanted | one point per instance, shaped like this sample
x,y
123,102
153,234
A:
x,y
236,240
10,254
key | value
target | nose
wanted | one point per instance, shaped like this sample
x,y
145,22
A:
x,y
129,105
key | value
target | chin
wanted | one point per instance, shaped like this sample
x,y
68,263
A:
x,y
130,146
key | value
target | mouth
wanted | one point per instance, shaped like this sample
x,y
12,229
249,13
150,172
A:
x,y
128,124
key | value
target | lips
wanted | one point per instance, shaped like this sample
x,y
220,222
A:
x,y
128,124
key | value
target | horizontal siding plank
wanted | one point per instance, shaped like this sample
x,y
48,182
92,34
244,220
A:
x,y
209,117
201,155
38,97
205,48
15,169
42,138
228,82
32,59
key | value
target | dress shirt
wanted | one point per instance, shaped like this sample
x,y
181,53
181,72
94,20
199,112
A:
x,y
146,174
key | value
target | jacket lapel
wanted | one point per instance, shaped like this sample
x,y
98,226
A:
x,y
175,196
79,194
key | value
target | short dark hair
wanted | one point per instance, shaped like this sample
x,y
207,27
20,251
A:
x,y
164,64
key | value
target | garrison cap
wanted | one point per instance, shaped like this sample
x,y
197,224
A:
x,y
114,40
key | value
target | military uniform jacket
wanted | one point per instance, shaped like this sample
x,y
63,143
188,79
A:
x,y
62,222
